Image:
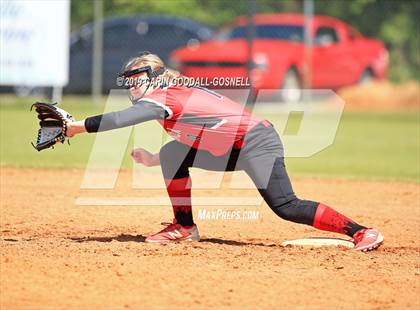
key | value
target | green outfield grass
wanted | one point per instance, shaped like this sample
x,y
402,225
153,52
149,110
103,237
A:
x,y
380,146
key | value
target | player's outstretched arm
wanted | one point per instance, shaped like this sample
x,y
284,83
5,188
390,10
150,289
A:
x,y
138,113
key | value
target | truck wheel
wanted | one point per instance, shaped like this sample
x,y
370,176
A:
x,y
366,77
291,87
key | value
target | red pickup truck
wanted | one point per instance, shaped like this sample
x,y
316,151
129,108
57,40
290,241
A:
x,y
339,55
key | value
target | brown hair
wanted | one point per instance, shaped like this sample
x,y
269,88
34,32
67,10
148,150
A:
x,y
154,61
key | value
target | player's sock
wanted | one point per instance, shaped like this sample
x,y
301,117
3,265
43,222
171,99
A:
x,y
328,219
179,191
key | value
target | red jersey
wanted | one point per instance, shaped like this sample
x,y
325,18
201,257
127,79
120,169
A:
x,y
203,119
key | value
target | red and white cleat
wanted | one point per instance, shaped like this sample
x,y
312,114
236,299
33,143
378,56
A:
x,y
367,239
175,232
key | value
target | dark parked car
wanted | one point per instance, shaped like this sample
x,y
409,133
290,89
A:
x,y
123,38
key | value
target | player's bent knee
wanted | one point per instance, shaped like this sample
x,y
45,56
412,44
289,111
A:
x,y
297,210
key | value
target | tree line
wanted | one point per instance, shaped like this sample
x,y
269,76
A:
x,y
395,22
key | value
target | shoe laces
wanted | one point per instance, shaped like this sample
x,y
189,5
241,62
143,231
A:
x,y
169,225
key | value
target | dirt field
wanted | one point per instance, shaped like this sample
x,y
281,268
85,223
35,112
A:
x,y
56,255
382,96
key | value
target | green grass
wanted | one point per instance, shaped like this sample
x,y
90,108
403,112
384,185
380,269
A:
x,y
380,146
369,146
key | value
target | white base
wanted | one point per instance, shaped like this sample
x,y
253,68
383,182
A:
x,y
319,242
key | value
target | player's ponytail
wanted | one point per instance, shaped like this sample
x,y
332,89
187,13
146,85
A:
x,y
171,75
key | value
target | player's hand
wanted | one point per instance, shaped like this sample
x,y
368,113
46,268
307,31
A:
x,y
144,157
70,132
73,128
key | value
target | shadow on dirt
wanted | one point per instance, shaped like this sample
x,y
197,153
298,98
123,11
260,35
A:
x,y
141,238
237,243
120,238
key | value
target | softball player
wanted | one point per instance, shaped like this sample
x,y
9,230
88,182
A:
x,y
212,132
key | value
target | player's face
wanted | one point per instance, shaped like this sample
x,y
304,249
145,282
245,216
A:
x,y
140,85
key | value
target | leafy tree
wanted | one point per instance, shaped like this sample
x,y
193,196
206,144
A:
x,y
393,21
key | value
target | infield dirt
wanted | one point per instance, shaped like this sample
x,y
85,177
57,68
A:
x,y
56,255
